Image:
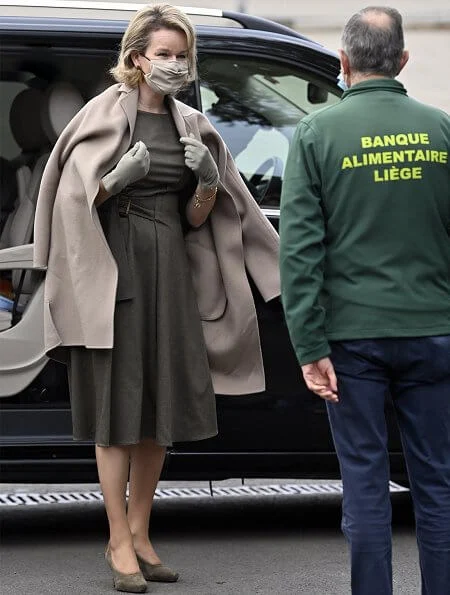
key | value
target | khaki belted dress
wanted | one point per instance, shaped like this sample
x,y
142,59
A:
x,y
155,382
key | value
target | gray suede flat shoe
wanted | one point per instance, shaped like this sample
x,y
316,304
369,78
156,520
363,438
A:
x,y
157,572
129,583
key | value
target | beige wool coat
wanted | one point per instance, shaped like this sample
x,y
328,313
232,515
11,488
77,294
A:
x,y
81,277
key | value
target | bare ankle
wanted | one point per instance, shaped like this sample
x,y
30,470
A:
x,y
120,542
139,539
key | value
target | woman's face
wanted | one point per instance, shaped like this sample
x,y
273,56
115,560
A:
x,y
165,44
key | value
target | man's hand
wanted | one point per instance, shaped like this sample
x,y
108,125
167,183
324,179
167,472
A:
x,y
321,379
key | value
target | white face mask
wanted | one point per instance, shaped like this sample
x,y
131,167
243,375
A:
x,y
167,76
341,82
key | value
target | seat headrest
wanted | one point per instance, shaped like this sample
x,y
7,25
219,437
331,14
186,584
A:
x,y
25,120
61,102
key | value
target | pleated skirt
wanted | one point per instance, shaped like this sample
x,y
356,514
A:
x,y
155,382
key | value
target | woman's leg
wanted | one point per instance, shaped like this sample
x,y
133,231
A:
x,y
113,464
147,459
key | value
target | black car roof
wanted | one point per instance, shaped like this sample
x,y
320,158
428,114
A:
x,y
263,28
94,9
51,17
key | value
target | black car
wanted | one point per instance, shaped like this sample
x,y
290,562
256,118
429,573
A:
x,y
257,79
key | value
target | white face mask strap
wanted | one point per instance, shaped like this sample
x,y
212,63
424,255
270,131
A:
x,y
341,82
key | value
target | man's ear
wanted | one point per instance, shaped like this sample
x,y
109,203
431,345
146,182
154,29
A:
x,y
345,64
404,59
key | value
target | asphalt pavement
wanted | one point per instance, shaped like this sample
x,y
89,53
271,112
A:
x,y
269,545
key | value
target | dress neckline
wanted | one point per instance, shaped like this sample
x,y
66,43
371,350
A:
x,y
152,113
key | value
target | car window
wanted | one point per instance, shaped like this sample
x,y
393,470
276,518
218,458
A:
x,y
255,105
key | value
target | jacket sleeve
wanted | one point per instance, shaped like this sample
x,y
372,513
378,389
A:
x,y
302,250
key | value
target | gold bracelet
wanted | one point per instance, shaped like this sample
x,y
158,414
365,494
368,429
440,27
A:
x,y
199,200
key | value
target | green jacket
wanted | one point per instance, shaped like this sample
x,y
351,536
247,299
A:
x,y
365,221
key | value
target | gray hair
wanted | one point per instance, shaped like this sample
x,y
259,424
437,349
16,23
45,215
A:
x,y
374,48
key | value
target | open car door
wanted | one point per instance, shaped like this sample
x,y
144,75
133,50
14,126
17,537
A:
x,y
22,354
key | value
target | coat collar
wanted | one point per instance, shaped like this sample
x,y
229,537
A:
x,y
129,101
178,119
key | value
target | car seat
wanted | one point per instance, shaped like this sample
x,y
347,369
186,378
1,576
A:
x,y
8,190
18,212
58,104
27,131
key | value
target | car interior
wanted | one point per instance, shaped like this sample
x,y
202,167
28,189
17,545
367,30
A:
x,y
41,90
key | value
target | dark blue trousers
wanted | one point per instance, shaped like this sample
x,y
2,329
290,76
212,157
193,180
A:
x,y
416,371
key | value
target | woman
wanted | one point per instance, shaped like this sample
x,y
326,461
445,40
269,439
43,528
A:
x,y
150,321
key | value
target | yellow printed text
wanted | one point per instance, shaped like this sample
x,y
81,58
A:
x,y
393,174
388,157
391,140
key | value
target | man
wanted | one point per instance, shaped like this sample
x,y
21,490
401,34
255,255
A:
x,y
365,265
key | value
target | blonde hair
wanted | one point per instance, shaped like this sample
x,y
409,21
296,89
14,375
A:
x,y
137,36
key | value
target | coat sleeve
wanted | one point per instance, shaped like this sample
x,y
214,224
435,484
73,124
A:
x,y
91,144
261,245
302,250
260,241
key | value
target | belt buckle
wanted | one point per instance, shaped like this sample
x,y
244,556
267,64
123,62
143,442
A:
x,y
122,212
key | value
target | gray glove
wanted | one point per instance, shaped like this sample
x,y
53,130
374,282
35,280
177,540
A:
x,y
131,167
198,158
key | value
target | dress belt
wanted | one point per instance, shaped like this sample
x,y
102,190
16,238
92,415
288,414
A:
x,y
127,207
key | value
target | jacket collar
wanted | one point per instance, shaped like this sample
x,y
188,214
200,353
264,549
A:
x,y
385,84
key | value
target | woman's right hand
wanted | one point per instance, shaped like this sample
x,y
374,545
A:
x,y
131,167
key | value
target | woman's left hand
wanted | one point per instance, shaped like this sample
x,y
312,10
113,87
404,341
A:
x,y
198,158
